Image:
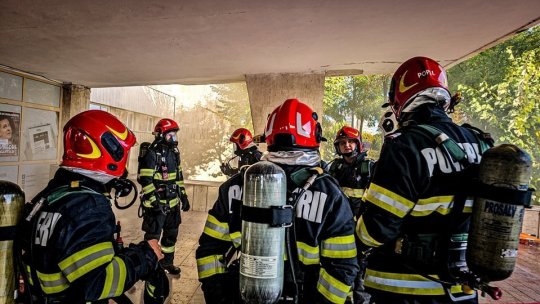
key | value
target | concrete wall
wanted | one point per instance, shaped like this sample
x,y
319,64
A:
x,y
267,91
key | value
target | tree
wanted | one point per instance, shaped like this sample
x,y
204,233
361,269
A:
x,y
354,101
511,107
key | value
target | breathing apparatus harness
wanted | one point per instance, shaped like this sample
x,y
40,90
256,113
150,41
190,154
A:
x,y
446,252
277,216
160,166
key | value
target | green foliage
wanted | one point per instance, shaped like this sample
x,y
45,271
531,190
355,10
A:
x,y
507,103
353,101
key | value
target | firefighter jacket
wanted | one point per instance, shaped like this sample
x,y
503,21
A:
x,y
411,197
324,241
160,175
69,253
353,178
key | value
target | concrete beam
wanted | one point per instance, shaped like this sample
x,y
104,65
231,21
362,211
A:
x,y
267,91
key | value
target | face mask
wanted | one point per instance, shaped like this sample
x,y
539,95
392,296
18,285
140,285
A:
x,y
171,138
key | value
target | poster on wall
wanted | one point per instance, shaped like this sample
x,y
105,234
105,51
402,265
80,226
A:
x,y
10,121
40,129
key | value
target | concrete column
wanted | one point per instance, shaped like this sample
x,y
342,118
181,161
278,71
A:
x,y
75,99
267,91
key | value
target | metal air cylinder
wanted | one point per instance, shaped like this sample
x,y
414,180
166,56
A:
x,y
11,205
261,261
496,222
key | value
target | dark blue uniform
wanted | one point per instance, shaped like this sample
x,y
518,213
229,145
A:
x,y
69,247
324,240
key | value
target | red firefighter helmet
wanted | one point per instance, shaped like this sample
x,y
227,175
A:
x,y
348,133
412,77
97,141
242,137
293,126
165,125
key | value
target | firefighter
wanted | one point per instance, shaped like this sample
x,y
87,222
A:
x,y
68,251
415,203
324,251
244,149
164,194
352,171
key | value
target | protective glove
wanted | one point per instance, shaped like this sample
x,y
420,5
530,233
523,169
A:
x,y
185,202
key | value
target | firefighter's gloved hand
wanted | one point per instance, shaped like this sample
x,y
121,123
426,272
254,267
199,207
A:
x,y
185,203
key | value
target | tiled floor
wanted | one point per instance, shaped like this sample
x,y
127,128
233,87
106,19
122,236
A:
x,y
522,287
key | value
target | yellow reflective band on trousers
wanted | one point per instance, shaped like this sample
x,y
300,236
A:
x,y
308,255
149,188
146,172
210,265
52,282
217,229
410,284
115,279
331,288
86,260
352,192
236,238
169,249
388,200
341,247
180,184
363,235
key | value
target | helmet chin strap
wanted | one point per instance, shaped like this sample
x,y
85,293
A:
x,y
350,154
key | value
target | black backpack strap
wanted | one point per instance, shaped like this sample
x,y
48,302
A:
x,y
447,144
485,140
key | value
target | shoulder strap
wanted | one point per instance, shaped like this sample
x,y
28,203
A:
x,y
447,144
365,168
64,191
484,138
302,176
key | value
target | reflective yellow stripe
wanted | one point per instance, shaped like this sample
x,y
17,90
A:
x,y
180,184
363,235
331,288
236,238
115,279
467,208
52,282
86,260
388,200
352,192
308,255
146,172
411,284
172,202
149,188
170,177
29,275
150,289
339,247
169,249
217,229
210,265
439,204
148,204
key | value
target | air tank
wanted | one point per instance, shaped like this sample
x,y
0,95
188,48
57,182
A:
x,y
11,205
496,221
261,261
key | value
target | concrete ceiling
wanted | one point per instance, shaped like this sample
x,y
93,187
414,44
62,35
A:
x,y
105,43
